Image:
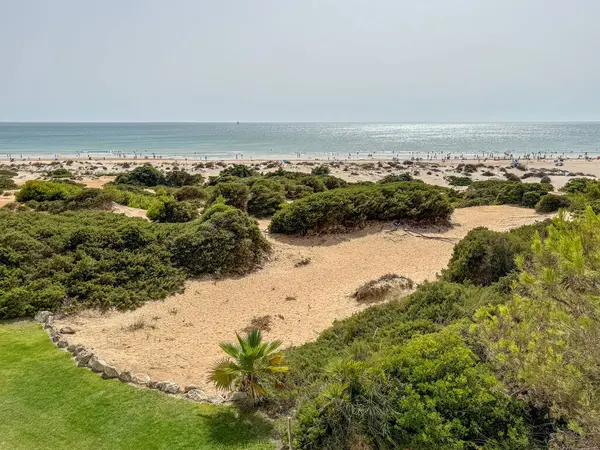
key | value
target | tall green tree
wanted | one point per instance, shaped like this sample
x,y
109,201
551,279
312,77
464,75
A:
x,y
545,343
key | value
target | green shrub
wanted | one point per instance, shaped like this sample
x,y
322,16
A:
x,y
145,175
7,182
59,173
354,207
190,193
396,178
320,170
238,170
551,203
499,192
179,178
314,183
46,191
431,392
131,196
459,181
225,240
484,256
577,185
170,210
86,258
481,258
236,194
332,182
512,177
546,180
265,198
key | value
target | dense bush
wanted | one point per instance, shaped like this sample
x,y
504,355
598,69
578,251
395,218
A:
x,y
459,181
238,170
59,173
431,392
396,178
179,178
332,182
498,192
265,198
546,180
190,193
512,177
145,175
552,203
132,196
7,183
46,191
170,210
484,256
578,185
91,258
225,240
355,206
236,194
320,170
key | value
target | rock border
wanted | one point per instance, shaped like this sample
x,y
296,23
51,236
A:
x,y
86,358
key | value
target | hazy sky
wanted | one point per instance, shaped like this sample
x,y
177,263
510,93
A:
x,y
299,60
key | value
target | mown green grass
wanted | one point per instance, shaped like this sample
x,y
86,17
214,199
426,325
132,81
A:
x,y
46,402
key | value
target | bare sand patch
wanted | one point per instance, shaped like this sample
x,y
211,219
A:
x,y
129,211
180,335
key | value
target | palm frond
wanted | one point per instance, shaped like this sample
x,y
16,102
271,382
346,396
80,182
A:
x,y
223,374
254,338
277,359
231,349
278,368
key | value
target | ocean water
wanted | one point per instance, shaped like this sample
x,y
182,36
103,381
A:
x,y
296,140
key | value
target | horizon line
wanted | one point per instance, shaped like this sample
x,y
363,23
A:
x,y
293,122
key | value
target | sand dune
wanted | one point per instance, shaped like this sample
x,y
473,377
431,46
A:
x,y
179,341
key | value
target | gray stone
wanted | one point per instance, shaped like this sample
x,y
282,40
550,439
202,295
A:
x,y
190,387
49,323
217,400
168,386
71,348
55,338
62,343
84,357
197,395
42,316
126,376
109,371
78,349
142,379
97,365
67,330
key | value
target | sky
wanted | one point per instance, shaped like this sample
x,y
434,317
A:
x,y
300,60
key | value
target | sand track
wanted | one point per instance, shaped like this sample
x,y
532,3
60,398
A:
x,y
179,341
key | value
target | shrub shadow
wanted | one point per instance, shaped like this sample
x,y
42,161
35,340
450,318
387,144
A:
x,y
331,239
229,426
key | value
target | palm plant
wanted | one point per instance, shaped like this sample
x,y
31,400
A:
x,y
249,364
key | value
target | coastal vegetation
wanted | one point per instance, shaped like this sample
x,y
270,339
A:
x,y
440,367
101,260
354,207
500,352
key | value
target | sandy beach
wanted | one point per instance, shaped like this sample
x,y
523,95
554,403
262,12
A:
x,y
180,336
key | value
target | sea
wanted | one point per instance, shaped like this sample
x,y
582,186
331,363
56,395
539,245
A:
x,y
290,141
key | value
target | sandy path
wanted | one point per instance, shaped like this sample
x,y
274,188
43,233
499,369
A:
x,y
179,341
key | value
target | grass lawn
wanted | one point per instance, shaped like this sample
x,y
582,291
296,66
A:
x,y
46,402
